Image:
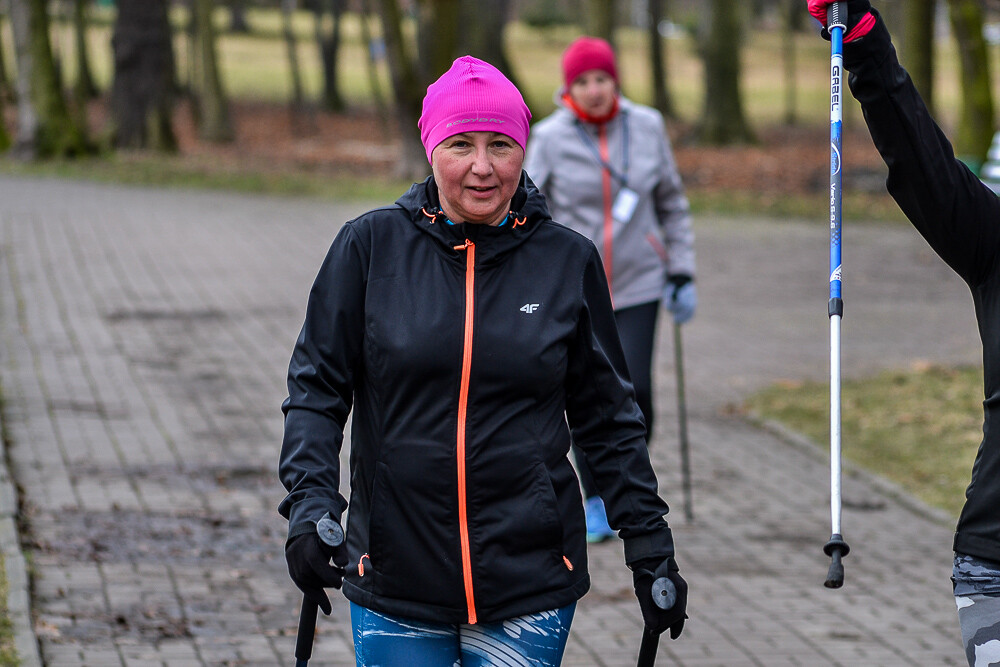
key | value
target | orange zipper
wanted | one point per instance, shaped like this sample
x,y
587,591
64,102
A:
x,y
463,404
609,222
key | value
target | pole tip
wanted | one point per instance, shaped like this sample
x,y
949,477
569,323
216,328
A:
x,y
836,548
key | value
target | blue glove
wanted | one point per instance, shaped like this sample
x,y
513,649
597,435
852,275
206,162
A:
x,y
680,298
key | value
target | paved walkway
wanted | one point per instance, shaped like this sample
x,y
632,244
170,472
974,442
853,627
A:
x,y
144,337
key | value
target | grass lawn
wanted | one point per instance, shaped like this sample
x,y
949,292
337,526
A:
x,y
919,427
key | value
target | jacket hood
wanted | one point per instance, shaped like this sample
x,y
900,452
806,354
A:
x,y
528,211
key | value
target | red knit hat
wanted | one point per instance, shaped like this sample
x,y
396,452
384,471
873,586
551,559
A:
x,y
588,53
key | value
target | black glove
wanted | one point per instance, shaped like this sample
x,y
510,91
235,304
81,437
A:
x,y
658,620
308,559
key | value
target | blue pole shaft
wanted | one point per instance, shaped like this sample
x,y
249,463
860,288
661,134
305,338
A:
x,y
836,300
836,548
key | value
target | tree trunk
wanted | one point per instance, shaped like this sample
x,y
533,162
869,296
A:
x,y
292,51
437,37
482,35
975,127
599,19
212,106
789,10
4,135
409,91
723,120
6,87
84,87
142,95
376,49
45,127
238,17
918,53
328,41
658,60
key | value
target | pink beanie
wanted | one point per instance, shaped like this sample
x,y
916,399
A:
x,y
472,96
588,53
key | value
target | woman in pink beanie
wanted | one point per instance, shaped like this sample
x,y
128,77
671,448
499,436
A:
x,y
470,338
605,165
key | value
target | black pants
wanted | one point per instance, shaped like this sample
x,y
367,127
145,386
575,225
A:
x,y
637,330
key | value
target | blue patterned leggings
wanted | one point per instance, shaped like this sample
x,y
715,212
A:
x,y
977,593
531,640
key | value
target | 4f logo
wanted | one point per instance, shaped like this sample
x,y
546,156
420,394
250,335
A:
x,y
529,308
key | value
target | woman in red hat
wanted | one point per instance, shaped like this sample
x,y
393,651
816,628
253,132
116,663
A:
x,y
606,168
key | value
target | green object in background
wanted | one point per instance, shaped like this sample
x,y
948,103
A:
x,y
990,171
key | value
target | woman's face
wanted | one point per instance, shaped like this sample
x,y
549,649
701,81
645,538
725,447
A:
x,y
594,92
477,174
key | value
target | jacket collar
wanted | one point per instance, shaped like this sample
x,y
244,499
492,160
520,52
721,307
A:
x,y
528,211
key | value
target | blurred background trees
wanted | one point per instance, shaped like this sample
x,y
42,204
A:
x,y
145,59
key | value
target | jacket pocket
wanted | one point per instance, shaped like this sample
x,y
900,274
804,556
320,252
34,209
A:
x,y
414,551
519,540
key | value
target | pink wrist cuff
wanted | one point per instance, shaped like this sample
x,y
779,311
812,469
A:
x,y
862,28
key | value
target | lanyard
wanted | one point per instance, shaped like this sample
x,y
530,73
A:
x,y
622,178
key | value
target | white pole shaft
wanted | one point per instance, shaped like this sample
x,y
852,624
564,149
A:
x,y
835,424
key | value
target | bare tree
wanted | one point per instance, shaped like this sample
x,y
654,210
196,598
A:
x,y
975,129
210,103
4,135
142,94
481,35
790,10
408,87
599,19
238,17
375,47
723,120
328,15
6,87
292,51
662,99
918,47
45,127
437,37
84,87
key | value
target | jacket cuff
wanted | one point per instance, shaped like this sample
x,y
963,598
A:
x,y
306,514
656,546
870,50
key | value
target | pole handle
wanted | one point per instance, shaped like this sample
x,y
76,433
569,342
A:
x,y
306,633
836,16
664,597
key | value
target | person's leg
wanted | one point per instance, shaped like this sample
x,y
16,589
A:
x,y
976,584
386,640
533,640
637,330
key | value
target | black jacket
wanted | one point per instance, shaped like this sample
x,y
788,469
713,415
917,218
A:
x,y
960,218
463,350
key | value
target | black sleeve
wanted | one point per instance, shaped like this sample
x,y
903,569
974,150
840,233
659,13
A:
x,y
957,214
607,424
321,376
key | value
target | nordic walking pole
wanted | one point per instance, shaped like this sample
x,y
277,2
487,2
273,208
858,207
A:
x,y
682,421
664,595
836,548
332,534
307,631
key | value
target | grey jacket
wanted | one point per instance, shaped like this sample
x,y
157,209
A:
x,y
658,240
